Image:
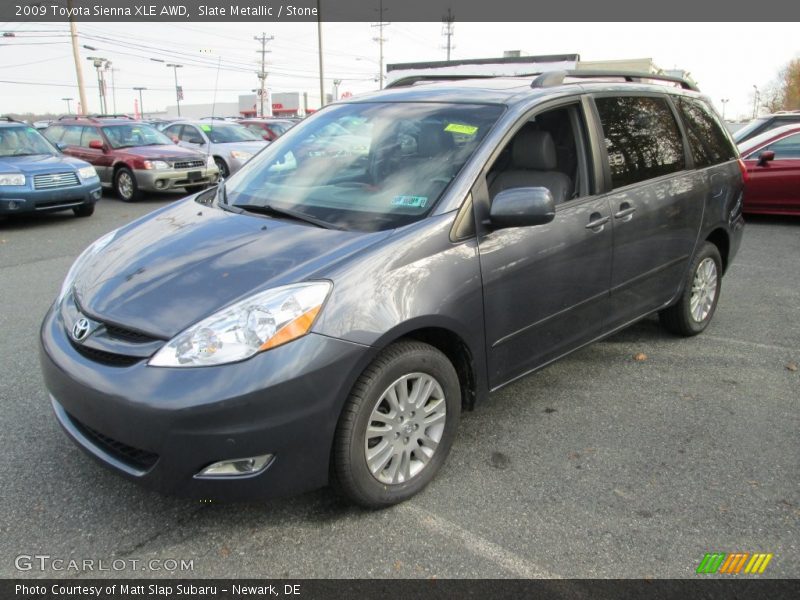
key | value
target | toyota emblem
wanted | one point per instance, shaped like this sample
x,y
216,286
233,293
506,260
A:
x,y
80,330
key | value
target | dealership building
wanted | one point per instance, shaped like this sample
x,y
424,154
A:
x,y
284,104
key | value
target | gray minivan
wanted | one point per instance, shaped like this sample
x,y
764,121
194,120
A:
x,y
325,315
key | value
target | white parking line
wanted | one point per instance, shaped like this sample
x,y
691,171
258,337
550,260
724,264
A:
x,y
747,343
477,545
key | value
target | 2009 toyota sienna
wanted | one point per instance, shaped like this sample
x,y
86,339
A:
x,y
325,315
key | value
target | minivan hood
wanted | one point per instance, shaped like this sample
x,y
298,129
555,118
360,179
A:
x,y
169,270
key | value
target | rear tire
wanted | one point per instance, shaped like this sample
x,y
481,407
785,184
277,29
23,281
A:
x,y
84,210
695,308
397,426
125,185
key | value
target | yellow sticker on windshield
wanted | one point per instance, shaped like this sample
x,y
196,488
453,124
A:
x,y
135,130
205,127
458,128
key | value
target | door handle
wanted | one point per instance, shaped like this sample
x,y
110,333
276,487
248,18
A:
x,y
597,222
625,210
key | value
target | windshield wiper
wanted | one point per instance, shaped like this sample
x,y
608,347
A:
x,y
269,210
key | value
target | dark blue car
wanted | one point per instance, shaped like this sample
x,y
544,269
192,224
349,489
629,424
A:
x,y
35,176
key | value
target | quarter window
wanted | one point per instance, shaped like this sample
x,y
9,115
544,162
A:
x,y
709,144
642,138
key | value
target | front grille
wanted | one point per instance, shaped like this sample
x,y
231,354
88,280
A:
x,y
55,180
106,358
134,457
189,164
128,335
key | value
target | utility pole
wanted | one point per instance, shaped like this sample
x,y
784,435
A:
x,y
69,109
141,102
321,67
380,39
73,32
113,86
178,90
448,30
262,74
755,100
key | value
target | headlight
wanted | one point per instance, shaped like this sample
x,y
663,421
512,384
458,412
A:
x,y
210,162
239,155
12,179
156,164
96,247
87,172
261,322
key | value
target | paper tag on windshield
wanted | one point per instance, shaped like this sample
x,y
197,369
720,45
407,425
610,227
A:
x,y
458,128
410,201
205,127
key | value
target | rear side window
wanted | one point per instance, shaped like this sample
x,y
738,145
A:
x,y
642,138
788,147
72,135
709,144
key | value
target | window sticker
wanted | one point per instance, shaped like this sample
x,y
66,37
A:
x,y
410,201
459,128
205,127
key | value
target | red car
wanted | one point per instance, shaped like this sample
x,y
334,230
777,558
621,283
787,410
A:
x,y
773,167
269,129
131,156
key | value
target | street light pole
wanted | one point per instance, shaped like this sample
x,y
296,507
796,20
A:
x,y
98,63
724,102
69,109
336,84
175,67
141,102
755,100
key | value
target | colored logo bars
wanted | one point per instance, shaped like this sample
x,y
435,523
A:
x,y
731,564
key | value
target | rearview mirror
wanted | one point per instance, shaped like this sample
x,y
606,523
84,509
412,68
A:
x,y
765,157
96,144
521,207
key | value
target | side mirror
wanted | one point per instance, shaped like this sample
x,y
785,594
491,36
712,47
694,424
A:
x,y
61,146
765,157
197,141
521,207
97,145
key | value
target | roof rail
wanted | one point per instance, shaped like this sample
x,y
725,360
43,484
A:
x,y
111,116
412,79
553,78
11,120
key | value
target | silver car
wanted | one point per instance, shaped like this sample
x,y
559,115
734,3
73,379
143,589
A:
x,y
230,144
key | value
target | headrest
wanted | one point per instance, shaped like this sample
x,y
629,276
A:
x,y
429,142
534,149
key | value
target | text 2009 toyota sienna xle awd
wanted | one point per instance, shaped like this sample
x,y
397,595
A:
x,y
325,315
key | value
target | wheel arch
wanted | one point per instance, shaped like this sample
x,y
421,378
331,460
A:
x,y
719,237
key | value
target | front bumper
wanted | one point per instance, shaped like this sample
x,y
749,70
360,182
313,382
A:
x,y
161,426
21,200
156,180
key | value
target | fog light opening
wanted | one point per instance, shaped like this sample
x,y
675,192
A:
x,y
237,467
160,184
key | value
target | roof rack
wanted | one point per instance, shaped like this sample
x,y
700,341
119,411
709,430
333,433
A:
x,y
110,116
11,120
553,78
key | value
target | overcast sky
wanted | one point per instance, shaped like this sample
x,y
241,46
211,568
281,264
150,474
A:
x,y
726,59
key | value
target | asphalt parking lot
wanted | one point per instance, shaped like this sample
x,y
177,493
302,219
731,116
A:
x,y
598,466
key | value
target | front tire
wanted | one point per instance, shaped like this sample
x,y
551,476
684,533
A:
x,y
125,185
397,426
695,308
224,171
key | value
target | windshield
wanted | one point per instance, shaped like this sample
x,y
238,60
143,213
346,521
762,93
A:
x,y
23,141
365,166
223,134
134,134
742,133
